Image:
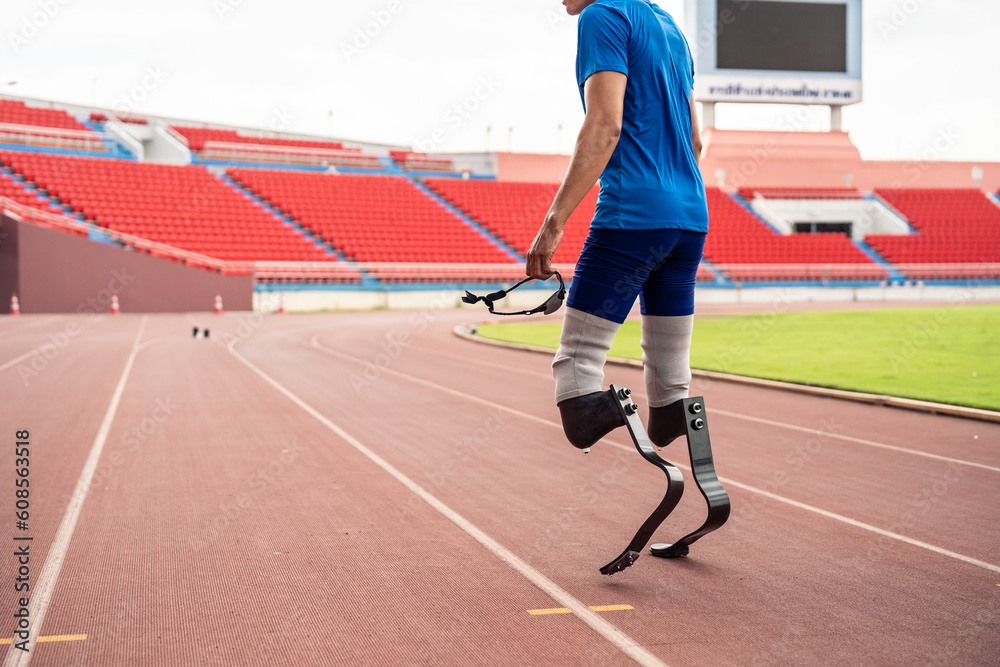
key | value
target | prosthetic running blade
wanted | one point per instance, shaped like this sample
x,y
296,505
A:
x,y
692,411
675,483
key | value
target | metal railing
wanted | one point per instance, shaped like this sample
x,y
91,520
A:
x,y
116,130
342,157
394,272
824,272
50,137
805,193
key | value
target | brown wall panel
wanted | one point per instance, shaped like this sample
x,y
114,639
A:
x,y
60,272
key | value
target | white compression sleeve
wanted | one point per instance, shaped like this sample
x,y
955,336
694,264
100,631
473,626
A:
x,y
666,358
578,366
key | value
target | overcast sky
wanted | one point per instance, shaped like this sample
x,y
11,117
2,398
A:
x,y
929,66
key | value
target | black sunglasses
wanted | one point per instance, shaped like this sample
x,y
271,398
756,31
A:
x,y
551,305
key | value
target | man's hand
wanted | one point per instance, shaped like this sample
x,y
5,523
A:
x,y
542,248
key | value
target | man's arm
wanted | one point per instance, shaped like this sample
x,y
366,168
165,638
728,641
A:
x,y
605,96
695,132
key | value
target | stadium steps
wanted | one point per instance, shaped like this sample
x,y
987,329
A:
x,y
289,221
994,197
464,218
745,204
895,276
32,193
391,167
66,209
954,226
874,197
115,150
885,202
328,249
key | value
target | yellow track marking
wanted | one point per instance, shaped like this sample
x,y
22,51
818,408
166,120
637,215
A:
x,y
564,610
52,638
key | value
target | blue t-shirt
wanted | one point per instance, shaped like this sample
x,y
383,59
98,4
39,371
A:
x,y
652,180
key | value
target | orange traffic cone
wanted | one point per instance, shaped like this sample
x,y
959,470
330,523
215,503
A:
x,y
114,305
15,305
218,304
281,305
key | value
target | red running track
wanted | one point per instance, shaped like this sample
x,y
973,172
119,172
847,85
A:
x,y
367,489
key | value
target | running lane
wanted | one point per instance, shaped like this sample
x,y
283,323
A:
x,y
832,589
228,524
229,527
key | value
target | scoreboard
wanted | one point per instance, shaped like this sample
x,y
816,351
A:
x,y
776,51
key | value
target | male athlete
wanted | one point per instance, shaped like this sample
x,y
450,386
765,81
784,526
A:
x,y
641,137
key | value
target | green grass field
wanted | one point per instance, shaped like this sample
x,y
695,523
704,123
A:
x,y
945,354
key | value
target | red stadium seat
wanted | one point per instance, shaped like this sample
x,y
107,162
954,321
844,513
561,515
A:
x,y
185,207
372,218
514,211
16,112
197,136
954,226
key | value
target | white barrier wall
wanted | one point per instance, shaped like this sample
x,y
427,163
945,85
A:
x,y
321,300
867,216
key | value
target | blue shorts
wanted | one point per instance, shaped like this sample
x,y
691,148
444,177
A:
x,y
658,265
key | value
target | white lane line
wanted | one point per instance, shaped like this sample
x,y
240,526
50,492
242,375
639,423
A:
x,y
16,360
859,441
44,587
758,420
745,487
869,527
610,632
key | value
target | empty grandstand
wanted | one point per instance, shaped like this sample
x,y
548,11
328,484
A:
x,y
753,251
14,191
410,160
229,145
303,211
513,211
372,218
184,207
197,137
30,126
953,227
15,112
